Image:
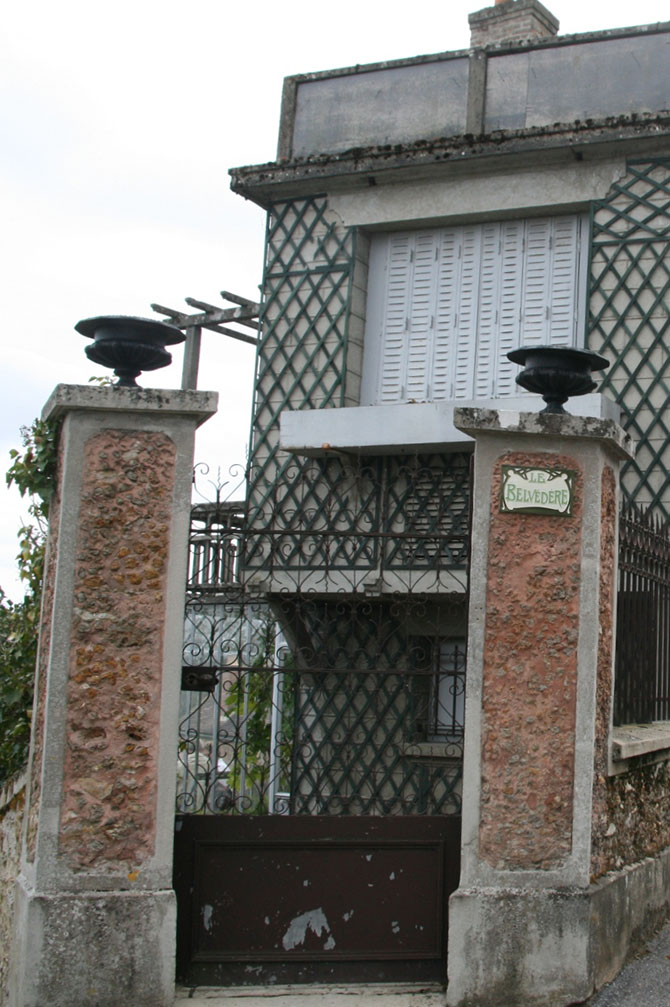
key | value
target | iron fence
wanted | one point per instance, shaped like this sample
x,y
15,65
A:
x,y
400,522
324,696
642,666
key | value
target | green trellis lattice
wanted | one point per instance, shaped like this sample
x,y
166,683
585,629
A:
x,y
304,320
629,319
332,513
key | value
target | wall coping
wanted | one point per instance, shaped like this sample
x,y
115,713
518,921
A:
x,y
504,422
94,398
634,741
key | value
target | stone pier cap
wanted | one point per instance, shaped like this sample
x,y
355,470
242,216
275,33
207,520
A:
x,y
66,398
504,422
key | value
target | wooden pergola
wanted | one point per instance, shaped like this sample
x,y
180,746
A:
x,y
244,313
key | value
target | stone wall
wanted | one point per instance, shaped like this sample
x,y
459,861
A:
x,y
631,811
116,659
12,803
634,819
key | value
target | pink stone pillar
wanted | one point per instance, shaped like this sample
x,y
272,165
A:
x,y
95,906
523,924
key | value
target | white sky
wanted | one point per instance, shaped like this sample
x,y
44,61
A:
x,y
118,123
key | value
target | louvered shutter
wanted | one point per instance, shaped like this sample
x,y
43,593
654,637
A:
x,y
394,318
486,361
564,286
466,312
421,317
536,282
446,305
446,311
509,305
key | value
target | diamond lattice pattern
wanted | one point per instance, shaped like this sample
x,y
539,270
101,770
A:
x,y
629,320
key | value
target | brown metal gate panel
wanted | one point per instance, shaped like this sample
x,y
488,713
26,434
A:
x,y
265,899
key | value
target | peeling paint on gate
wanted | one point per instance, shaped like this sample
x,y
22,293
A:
x,y
314,920
252,869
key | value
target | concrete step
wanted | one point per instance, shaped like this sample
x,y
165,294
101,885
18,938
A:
x,y
382,995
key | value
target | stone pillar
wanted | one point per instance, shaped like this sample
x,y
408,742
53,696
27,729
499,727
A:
x,y
95,907
523,925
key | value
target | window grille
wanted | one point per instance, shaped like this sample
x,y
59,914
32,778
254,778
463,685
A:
x,y
440,690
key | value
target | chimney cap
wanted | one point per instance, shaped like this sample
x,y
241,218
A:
x,y
511,21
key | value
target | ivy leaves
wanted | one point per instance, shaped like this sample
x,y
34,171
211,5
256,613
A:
x,y
33,472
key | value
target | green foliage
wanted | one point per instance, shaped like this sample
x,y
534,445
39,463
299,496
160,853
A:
x,y
33,472
249,700
18,650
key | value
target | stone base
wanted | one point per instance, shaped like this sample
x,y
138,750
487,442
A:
x,y
93,949
550,948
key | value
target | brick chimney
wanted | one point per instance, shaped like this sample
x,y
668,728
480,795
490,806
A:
x,y
511,21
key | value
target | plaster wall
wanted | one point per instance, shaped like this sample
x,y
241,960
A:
x,y
525,85
496,193
333,113
406,427
575,82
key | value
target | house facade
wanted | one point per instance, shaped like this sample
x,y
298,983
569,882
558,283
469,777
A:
x,y
426,216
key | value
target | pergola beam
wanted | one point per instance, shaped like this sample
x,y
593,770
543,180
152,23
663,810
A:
x,y
210,317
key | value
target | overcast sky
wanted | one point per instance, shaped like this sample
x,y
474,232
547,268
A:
x,y
119,122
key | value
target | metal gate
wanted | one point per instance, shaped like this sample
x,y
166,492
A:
x,y
319,778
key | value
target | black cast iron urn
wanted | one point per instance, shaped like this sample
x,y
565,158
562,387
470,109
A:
x,y
129,345
557,372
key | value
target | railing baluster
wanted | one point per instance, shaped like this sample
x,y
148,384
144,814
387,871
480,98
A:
x,y
642,665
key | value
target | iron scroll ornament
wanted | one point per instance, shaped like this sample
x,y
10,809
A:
x,y
129,344
557,372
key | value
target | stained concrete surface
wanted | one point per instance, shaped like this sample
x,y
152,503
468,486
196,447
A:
x,y
315,996
644,982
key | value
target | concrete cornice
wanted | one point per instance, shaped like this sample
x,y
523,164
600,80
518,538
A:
x,y
640,134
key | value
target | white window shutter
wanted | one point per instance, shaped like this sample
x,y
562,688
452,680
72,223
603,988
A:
x,y
466,311
421,317
395,317
446,311
446,305
486,361
536,279
564,286
511,273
